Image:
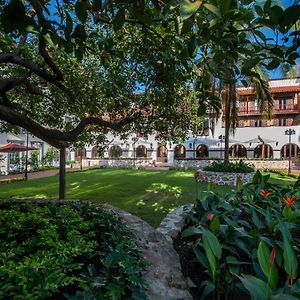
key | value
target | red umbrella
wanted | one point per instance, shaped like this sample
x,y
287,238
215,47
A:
x,y
11,147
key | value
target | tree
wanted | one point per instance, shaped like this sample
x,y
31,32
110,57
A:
x,y
76,70
230,44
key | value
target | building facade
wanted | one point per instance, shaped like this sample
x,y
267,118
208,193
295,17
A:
x,y
256,137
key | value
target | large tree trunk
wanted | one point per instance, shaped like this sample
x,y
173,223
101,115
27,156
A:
x,y
62,173
227,126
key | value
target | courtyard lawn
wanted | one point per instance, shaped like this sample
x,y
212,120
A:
x,y
147,194
280,179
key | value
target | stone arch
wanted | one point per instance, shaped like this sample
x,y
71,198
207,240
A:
x,y
115,151
179,151
285,151
141,151
201,151
263,151
162,153
238,150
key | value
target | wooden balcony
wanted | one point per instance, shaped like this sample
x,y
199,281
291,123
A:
x,y
277,110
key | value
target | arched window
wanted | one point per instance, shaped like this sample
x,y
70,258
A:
x,y
179,152
201,151
80,153
285,151
115,152
238,150
263,151
162,153
141,151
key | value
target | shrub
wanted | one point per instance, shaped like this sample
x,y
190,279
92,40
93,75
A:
x,y
11,180
240,167
247,242
66,251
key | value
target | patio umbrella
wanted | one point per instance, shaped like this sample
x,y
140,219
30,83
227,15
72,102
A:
x,y
12,147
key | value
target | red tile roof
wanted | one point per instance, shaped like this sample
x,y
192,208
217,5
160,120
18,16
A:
x,y
274,90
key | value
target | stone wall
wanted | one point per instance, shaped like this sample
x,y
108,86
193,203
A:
x,y
258,164
222,178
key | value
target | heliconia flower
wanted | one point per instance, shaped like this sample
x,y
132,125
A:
x,y
290,200
196,175
264,193
210,216
272,256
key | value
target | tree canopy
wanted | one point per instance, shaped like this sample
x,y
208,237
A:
x,y
71,68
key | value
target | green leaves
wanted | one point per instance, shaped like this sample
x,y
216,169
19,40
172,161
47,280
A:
x,y
189,8
257,288
81,11
13,16
119,20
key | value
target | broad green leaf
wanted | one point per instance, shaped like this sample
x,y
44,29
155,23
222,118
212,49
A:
x,y
119,20
275,13
213,243
273,64
97,4
263,255
283,297
200,257
210,257
192,46
290,16
215,225
224,6
257,288
190,231
209,288
214,9
188,8
81,11
289,256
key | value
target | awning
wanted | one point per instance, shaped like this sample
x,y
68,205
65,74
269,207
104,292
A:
x,y
12,147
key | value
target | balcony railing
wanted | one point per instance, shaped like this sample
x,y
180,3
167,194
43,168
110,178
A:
x,y
284,109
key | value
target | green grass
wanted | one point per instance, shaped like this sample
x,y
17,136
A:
x,y
280,179
147,194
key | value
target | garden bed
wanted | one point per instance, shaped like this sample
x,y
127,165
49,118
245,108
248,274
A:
x,y
55,250
244,244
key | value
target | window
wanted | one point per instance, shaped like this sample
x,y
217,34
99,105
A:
x,y
282,122
258,123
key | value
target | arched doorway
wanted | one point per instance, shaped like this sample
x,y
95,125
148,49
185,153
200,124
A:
x,y
80,153
201,151
141,151
179,152
285,151
115,152
237,150
263,151
161,154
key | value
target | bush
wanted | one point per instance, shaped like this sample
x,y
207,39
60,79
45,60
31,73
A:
x,y
240,167
63,251
11,180
282,173
247,242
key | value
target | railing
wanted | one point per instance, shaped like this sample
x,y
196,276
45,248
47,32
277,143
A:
x,y
291,108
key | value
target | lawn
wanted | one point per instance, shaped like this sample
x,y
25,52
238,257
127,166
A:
x,y
147,194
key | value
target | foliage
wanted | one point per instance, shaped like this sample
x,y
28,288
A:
x,y
238,167
247,241
50,157
66,251
34,159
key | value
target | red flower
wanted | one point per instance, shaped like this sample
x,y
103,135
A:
x,y
272,257
196,175
264,193
290,200
210,216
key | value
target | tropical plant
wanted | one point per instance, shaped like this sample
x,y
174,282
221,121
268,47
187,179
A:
x,y
246,242
67,251
237,167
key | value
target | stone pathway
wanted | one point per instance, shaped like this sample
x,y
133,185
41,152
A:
x,y
163,277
